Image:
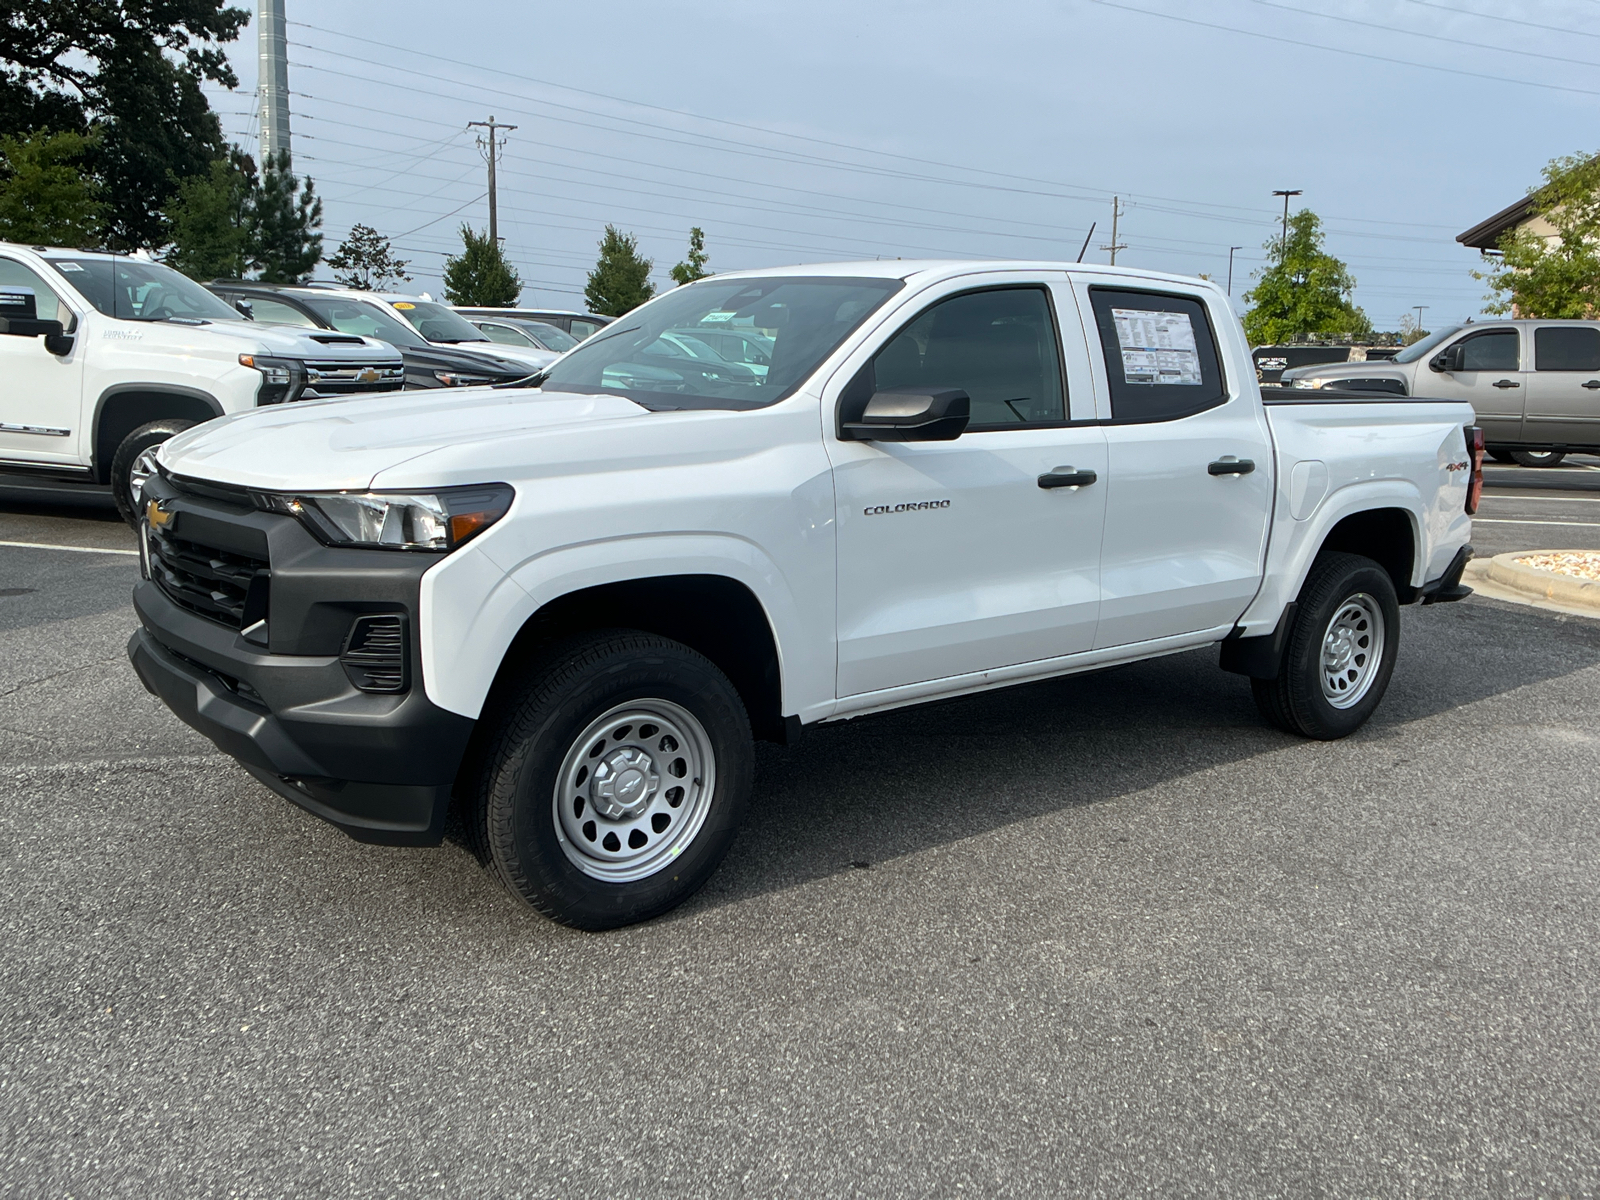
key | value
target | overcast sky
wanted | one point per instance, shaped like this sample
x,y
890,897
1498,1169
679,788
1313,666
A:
x,y
825,130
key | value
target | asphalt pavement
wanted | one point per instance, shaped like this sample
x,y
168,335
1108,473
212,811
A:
x,y
1104,935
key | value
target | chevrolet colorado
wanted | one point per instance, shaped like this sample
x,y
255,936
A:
x,y
571,603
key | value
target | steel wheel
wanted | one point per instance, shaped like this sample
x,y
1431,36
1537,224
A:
x,y
1352,648
633,790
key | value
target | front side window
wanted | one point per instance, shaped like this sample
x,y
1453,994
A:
x,y
654,357
1495,351
1566,348
582,328
1160,354
46,306
275,312
438,323
998,346
505,335
133,289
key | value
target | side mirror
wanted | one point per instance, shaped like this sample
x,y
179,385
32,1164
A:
x,y
19,317
911,415
1448,359
248,309
58,343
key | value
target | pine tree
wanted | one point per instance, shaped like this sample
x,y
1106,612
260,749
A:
x,y
285,239
620,281
208,220
1305,291
480,276
365,260
45,199
693,267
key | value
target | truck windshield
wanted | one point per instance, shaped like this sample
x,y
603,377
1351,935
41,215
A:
x,y
132,289
438,323
1417,349
358,316
647,355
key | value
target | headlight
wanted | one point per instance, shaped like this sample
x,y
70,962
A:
x,y
282,379
459,379
440,520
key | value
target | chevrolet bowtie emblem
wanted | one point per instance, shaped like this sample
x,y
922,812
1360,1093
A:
x,y
367,375
156,515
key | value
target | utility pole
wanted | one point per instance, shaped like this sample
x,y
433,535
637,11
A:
x,y
1116,213
1419,308
490,148
1231,249
1283,246
272,41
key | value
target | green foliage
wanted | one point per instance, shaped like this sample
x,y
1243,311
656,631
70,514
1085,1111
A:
x,y
694,267
285,242
130,71
1557,276
480,276
620,281
209,220
1306,290
45,199
366,260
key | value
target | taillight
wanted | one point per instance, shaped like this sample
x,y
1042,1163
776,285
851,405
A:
x,y
1475,482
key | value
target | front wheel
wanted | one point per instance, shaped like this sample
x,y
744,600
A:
x,y
1341,651
134,462
1538,458
616,782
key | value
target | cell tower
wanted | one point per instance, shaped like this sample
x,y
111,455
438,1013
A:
x,y
272,38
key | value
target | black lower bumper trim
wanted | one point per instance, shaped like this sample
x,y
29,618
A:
x,y
1448,588
386,814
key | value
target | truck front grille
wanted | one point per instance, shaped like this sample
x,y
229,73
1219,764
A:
x,y
225,586
342,379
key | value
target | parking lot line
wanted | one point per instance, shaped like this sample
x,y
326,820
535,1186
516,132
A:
x,y
1514,521
72,549
1550,499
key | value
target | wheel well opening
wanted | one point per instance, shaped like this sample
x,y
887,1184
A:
x,y
1383,535
124,412
714,615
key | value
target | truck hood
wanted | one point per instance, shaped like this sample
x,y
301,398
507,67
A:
x,y
1377,368
334,445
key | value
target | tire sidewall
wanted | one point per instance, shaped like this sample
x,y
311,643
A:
x,y
1538,459
522,836
136,443
1341,577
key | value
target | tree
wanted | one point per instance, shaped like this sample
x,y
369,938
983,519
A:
x,y
45,198
1307,290
1555,275
131,71
694,267
209,220
1411,330
480,276
365,260
284,239
620,281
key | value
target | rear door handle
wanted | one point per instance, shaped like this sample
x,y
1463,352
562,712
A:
x,y
1592,384
1067,477
1231,466
1505,383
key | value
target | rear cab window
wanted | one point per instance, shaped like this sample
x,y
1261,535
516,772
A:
x,y
1566,348
1161,355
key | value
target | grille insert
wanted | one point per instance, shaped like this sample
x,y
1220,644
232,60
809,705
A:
x,y
225,586
374,654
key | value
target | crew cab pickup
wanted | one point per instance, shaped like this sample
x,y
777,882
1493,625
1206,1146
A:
x,y
571,602
1535,385
104,356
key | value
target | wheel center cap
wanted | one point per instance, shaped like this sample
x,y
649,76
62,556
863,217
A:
x,y
1340,648
625,782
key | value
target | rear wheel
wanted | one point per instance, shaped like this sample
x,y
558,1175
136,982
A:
x,y
616,782
1500,455
1341,651
134,462
1538,458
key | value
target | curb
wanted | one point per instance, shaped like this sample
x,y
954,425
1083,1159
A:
x,y
1500,578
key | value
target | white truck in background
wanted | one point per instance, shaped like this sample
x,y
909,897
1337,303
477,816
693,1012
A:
x,y
105,356
569,603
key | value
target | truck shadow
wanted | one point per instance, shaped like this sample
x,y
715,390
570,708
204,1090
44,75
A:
x,y
886,786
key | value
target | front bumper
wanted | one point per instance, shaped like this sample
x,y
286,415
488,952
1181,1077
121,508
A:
x,y
380,766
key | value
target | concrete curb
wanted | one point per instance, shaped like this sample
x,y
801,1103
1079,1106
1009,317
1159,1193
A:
x,y
1500,578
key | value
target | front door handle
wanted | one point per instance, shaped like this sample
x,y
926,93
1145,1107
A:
x,y
1592,384
1231,466
1505,383
1067,477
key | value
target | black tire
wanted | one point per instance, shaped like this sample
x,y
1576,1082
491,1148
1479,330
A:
x,y
1538,458
1295,701
135,444
519,831
1500,455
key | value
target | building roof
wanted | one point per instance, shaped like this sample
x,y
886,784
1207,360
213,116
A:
x,y
1485,235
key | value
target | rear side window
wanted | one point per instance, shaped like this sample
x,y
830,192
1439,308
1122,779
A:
x,y
1495,351
998,346
1161,354
1566,348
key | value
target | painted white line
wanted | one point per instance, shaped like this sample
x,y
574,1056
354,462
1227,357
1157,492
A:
x,y
1547,499
73,549
1509,521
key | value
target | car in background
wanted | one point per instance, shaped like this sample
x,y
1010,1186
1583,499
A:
x,y
516,331
743,346
350,311
443,326
579,325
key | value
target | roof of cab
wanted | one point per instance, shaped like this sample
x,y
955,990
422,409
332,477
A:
x,y
929,269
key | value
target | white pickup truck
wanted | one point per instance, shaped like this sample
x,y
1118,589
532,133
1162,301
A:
x,y
570,603
103,356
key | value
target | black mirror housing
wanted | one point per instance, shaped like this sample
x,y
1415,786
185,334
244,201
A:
x,y
911,414
59,344
29,327
1448,359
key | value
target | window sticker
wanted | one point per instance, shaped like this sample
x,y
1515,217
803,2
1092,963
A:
x,y
1157,347
403,304
68,266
